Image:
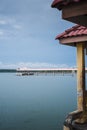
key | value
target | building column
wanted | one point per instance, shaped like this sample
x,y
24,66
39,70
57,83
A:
x,y
81,104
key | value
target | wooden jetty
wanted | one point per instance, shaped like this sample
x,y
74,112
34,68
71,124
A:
x,y
49,70
60,70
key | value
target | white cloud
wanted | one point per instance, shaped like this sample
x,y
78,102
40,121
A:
x,y
1,32
31,65
3,22
9,26
16,26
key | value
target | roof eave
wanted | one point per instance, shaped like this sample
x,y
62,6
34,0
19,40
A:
x,y
55,5
72,41
60,5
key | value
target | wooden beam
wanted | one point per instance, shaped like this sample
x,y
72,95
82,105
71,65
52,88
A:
x,y
72,40
76,13
74,10
80,19
81,103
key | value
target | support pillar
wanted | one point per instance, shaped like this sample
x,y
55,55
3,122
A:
x,y
81,92
79,118
66,128
81,77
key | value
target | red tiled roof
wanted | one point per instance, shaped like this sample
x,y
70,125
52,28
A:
x,y
60,3
76,30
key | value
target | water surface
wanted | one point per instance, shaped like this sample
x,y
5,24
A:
x,y
36,102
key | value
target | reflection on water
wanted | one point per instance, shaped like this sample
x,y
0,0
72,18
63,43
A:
x,y
35,102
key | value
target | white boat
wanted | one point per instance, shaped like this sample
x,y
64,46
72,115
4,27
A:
x,y
27,73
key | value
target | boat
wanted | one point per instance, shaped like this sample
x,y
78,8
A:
x,y
27,73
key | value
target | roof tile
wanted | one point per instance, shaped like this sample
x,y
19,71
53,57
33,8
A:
x,y
76,30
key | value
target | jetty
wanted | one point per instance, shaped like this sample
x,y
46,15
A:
x,y
48,70
42,70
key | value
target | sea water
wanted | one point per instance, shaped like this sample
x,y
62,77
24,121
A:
x,y
36,102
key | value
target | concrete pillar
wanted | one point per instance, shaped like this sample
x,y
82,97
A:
x,y
81,104
66,128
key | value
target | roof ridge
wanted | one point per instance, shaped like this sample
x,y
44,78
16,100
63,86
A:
x,y
72,28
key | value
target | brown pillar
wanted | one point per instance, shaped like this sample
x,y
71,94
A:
x,y
81,104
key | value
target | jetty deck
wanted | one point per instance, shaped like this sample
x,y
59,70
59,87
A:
x,y
42,70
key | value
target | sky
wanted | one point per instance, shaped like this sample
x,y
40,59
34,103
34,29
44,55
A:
x,y
27,35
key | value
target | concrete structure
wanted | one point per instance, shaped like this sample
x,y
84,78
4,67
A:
x,y
77,37
72,10
76,12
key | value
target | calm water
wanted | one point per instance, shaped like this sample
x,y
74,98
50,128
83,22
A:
x,y
36,102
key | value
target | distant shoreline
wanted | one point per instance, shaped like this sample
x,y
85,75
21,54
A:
x,y
40,70
8,70
37,70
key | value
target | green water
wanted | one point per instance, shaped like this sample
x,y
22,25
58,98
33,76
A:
x,y
36,102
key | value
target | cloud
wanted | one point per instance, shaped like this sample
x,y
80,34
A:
x,y
9,27
31,65
16,26
3,22
1,32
